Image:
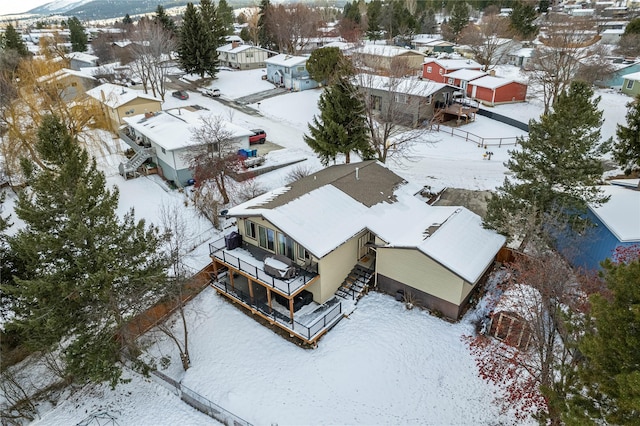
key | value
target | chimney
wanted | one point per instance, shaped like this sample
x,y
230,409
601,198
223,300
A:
x,y
235,44
357,173
492,73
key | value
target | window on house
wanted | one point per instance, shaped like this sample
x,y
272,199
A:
x,y
286,70
441,71
285,245
74,84
300,69
376,103
450,81
401,98
302,253
429,70
233,57
250,229
429,99
249,54
266,238
629,84
164,151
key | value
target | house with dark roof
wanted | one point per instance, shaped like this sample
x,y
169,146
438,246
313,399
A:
x,y
304,253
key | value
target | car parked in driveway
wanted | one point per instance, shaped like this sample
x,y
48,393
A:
x,y
212,93
180,94
259,136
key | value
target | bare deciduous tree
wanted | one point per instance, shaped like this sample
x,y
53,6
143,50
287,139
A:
x,y
151,47
489,41
629,46
293,26
566,43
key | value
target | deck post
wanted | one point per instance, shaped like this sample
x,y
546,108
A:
x,y
250,290
291,310
231,280
269,298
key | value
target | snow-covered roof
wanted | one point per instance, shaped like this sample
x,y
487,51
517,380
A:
x,y
621,214
172,129
286,60
409,86
491,82
388,51
342,45
525,52
633,76
344,200
237,49
521,299
81,56
115,96
454,64
466,74
62,73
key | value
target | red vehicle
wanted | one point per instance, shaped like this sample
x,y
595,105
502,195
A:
x,y
259,136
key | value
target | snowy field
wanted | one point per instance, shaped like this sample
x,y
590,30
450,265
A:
x,y
382,365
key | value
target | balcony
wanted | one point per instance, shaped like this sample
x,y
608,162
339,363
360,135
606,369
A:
x,y
245,260
125,135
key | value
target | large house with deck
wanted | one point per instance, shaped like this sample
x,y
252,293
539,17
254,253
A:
x,y
304,252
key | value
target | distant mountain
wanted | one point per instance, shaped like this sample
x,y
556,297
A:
x,y
104,9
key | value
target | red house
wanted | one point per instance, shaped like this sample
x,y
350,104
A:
x,y
435,69
495,90
461,78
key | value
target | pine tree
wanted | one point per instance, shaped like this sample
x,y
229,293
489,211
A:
x,y
342,127
522,20
12,40
327,64
626,151
165,20
265,38
374,12
86,271
608,386
459,18
197,50
225,17
78,36
555,171
127,20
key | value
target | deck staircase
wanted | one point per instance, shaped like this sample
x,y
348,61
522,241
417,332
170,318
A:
x,y
136,161
355,283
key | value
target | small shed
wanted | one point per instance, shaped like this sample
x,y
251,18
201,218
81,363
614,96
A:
x,y
493,91
518,306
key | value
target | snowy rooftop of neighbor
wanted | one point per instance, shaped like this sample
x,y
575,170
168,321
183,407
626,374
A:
x,y
466,74
409,86
62,73
81,56
454,64
491,82
172,129
115,96
633,76
342,45
388,51
347,199
239,48
621,214
286,60
525,52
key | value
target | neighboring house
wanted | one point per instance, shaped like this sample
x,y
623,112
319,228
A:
x,y
343,228
289,72
388,59
431,43
616,224
492,90
622,67
118,102
611,36
242,56
521,57
461,78
500,48
68,83
165,138
516,309
434,69
415,100
79,60
631,84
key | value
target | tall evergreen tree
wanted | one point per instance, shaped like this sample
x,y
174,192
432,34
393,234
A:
x,y
11,40
197,49
342,128
127,20
265,37
165,20
374,14
225,17
351,11
86,271
522,20
555,171
608,386
78,36
459,18
626,151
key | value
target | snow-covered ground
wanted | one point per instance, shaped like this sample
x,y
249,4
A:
x,y
382,365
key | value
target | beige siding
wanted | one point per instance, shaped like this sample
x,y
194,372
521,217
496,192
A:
x,y
414,269
334,267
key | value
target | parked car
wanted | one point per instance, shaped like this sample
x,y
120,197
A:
x,y
259,136
180,94
212,93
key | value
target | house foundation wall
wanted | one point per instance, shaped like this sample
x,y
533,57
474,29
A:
x,y
420,298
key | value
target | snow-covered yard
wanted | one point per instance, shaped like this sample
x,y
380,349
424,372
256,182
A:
x,y
382,365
